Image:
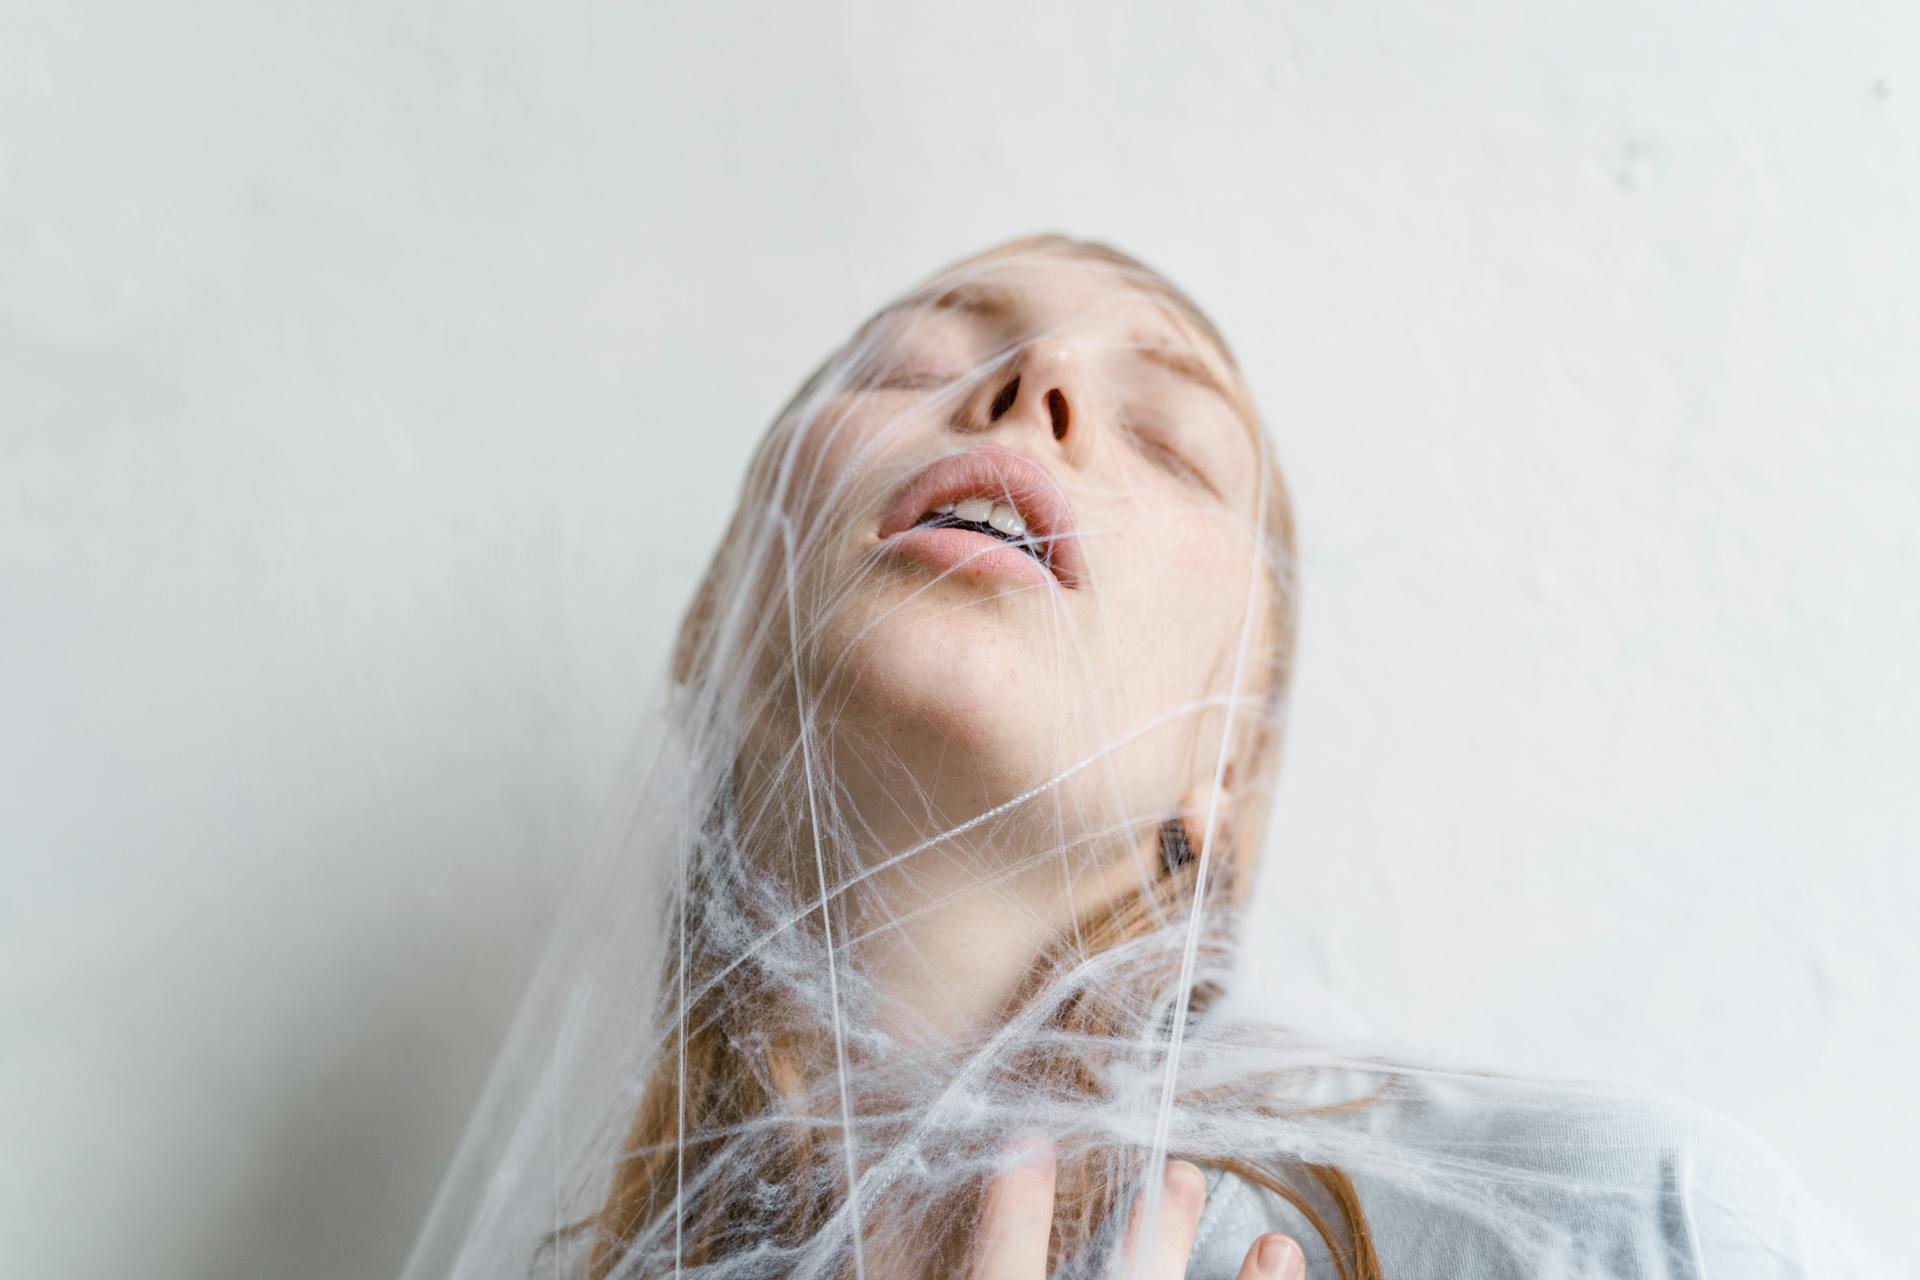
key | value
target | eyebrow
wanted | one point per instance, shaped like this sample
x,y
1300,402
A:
x,y
988,301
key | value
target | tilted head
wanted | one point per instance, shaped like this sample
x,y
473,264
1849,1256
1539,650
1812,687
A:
x,y
1012,577
985,687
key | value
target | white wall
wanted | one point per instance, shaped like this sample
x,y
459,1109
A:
x,y
374,379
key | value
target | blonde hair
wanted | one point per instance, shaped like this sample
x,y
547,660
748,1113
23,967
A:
x,y
738,1065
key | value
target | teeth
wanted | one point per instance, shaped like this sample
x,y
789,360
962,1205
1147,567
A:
x,y
1001,516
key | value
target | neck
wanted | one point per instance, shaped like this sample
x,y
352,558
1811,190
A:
x,y
946,943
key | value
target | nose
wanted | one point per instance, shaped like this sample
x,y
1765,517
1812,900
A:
x,y
1042,393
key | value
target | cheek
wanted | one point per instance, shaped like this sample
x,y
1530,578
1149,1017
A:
x,y
846,463
1179,593
828,452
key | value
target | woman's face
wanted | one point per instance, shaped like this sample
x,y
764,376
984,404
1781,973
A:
x,y
1026,546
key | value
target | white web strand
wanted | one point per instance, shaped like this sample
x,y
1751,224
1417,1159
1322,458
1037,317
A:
x,y
1190,944
805,716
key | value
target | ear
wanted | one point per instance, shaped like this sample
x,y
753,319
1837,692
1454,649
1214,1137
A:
x,y
1203,814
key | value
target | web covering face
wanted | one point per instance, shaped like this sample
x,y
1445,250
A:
x,y
961,782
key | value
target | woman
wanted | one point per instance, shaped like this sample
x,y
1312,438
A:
x,y
916,964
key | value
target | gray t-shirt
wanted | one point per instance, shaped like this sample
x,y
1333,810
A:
x,y
1462,1181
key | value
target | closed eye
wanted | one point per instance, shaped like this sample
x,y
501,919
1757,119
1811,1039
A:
x,y
1164,455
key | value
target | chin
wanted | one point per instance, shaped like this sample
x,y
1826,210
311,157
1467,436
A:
x,y
954,703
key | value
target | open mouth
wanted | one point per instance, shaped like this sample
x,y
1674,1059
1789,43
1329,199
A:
x,y
986,512
983,515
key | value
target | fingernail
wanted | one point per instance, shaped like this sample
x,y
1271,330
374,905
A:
x,y
1186,1184
1281,1258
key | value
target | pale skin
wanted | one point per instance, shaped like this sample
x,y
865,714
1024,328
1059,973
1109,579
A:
x,y
949,692
1126,411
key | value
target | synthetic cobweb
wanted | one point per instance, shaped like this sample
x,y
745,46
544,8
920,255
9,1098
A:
x,y
919,869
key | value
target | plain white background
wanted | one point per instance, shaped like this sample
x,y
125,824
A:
x,y
375,379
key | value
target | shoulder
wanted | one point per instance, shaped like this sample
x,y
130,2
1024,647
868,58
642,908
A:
x,y
1490,1180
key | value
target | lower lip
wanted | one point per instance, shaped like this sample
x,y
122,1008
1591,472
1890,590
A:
x,y
963,553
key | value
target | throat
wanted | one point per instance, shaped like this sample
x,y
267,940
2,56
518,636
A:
x,y
952,952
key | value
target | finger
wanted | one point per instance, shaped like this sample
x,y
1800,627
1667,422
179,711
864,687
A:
x,y
1158,1251
1016,1217
1274,1257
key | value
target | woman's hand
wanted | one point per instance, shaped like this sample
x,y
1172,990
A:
x,y
1017,1216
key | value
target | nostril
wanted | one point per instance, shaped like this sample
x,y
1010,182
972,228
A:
x,y
1004,401
1057,409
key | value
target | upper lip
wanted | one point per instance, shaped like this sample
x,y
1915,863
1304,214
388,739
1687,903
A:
x,y
1003,476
